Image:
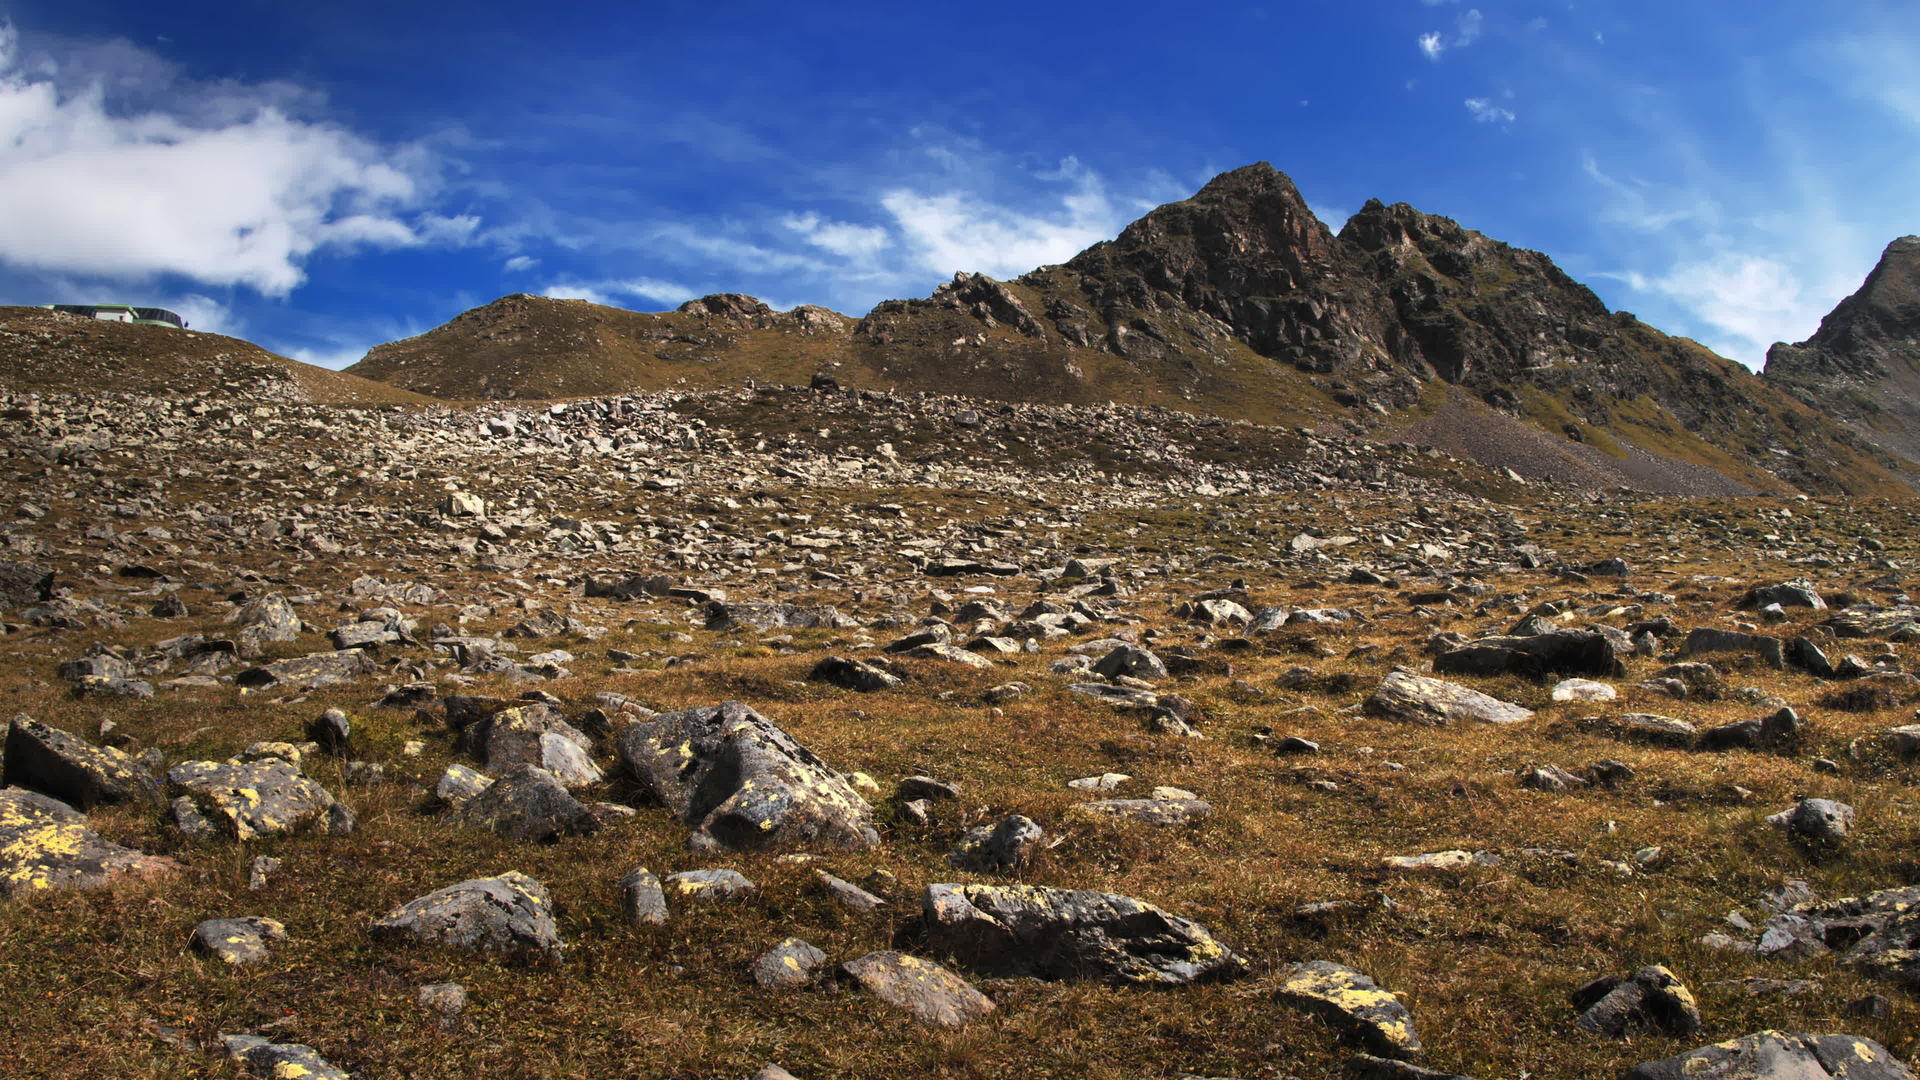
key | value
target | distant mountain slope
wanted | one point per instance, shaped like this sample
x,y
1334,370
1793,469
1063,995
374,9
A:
x,y
1863,365
524,346
1237,302
53,352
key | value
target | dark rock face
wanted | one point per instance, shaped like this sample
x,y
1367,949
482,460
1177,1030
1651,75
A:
x,y
22,584
510,914
73,770
45,844
740,783
527,803
1651,999
1556,652
1071,934
1862,366
853,675
1878,934
1779,1055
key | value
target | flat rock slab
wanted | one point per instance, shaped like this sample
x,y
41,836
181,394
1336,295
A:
x,y
309,672
510,914
252,799
758,615
932,994
741,783
710,886
46,844
1779,1055
1415,698
72,769
1071,934
1353,1004
238,941
280,1061
1163,812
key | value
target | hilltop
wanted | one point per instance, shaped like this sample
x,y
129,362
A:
x,y
47,351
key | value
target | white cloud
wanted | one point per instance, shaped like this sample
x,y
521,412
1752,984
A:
x,y
1486,112
838,237
948,232
335,358
519,263
1466,31
608,292
1751,301
197,181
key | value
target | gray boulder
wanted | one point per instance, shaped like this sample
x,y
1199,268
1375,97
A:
x,y
1357,1007
1002,848
46,844
253,799
1815,821
1071,934
1417,699
1651,999
1779,1055
740,783
527,803
792,964
511,915
280,1061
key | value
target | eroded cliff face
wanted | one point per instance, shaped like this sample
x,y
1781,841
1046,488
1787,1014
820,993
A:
x,y
1862,366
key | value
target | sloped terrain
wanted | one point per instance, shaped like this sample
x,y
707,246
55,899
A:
x,y
51,351
1237,303
1863,364
1159,640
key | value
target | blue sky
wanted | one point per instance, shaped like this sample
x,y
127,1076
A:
x,y
323,178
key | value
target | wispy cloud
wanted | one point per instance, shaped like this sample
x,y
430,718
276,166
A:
x,y
611,292
1467,29
1484,111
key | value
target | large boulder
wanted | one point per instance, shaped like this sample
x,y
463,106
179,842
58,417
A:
x,y
740,783
46,844
1071,934
1556,652
1415,698
537,735
511,915
251,799
72,769
1779,1055
527,803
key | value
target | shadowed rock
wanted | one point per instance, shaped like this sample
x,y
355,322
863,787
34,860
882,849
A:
x,y
280,1061
998,849
1071,934
1651,999
741,783
1556,652
73,770
527,803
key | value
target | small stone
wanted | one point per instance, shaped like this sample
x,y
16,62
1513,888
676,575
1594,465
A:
x,y
1816,821
792,964
259,870
644,899
932,994
238,941
710,886
848,895
1353,1003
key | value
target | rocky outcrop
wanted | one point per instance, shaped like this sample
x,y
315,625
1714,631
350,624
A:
x,y
741,783
1862,366
1779,1055
511,915
1071,934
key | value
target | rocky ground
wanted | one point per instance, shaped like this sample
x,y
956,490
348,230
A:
x,y
855,734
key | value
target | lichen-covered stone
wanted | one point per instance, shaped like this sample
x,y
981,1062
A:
x,y
537,735
46,844
510,914
1163,812
248,800
789,965
1651,999
932,994
643,897
1779,1055
741,783
238,941
1354,1004
1071,934
73,770
309,672
280,1061
527,803
709,886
